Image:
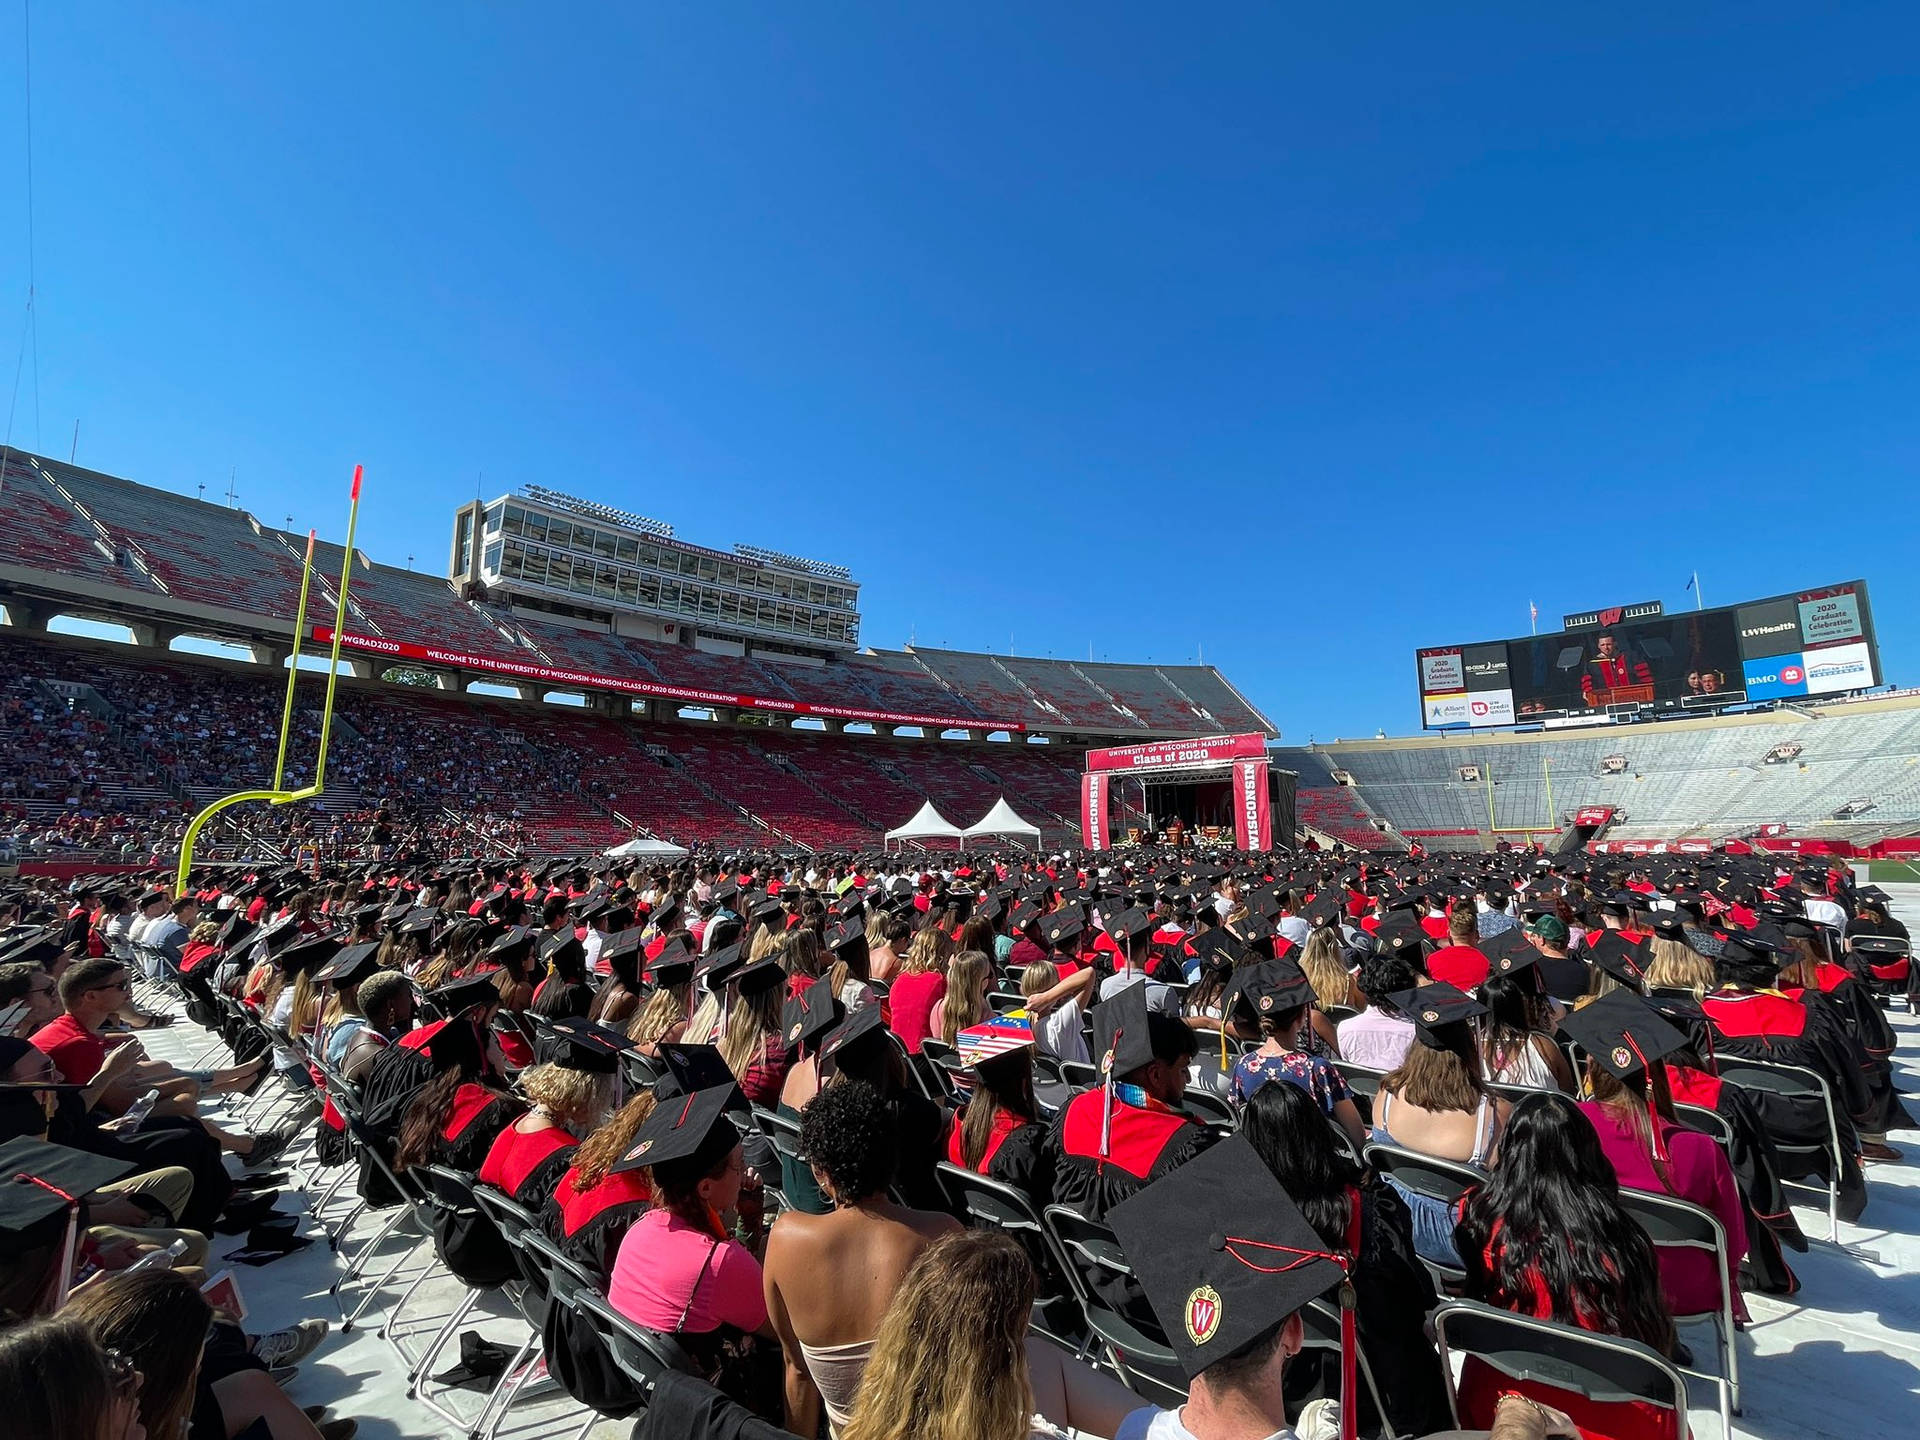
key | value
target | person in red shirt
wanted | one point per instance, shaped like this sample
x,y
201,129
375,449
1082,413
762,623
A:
x,y
1459,962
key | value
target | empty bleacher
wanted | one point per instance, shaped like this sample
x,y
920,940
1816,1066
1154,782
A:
x,y
42,531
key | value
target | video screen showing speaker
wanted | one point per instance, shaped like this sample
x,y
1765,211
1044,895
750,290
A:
x,y
1614,663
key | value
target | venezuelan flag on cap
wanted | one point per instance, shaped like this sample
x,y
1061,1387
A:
x,y
999,1036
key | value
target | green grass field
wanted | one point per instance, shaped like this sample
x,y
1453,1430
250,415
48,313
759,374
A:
x,y
1898,871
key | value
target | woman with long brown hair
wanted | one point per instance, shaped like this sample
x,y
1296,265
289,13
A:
x,y
594,1206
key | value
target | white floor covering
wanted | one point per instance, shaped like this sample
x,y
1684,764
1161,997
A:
x,y
1841,1360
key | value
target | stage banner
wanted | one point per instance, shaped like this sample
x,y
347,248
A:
x,y
1173,754
1093,811
1252,816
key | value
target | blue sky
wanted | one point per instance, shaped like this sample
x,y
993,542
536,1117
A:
x,y
1305,338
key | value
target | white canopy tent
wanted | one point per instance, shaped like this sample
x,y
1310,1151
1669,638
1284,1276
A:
x,y
927,824
646,847
1002,820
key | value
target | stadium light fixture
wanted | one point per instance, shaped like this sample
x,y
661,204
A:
x,y
594,510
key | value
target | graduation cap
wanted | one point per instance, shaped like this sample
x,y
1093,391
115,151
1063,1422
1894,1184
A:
x,y
1751,951
1061,926
674,966
562,949
846,938
1271,987
1226,1257
692,1132
349,965
1023,914
1626,1036
999,1037
1439,1013
723,892
810,1014
462,994
576,1044
765,908
862,1027
1129,923
150,897
1322,911
760,977
1667,924
235,930
41,1187
1620,958
513,943
623,951
696,1067
1216,949
418,921
717,967
36,950
307,955
1120,1034
663,915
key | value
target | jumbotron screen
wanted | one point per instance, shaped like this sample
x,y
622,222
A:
x,y
1606,663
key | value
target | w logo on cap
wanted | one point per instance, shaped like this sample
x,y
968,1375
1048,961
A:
x,y
1203,1314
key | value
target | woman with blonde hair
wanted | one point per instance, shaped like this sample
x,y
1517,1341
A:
x,y
593,1205
969,974
921,985
571,1099
1325,966
1676,965
953,1359
663,1019
751,1040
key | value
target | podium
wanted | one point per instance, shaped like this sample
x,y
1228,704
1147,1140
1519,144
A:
x,y
1624,695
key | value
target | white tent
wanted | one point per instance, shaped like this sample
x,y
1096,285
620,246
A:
x,y
645,847
927,824
1002,820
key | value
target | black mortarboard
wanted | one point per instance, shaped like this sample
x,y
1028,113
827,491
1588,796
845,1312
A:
x,y
662,916
236,929
673,967
418,921
1271,987
622,951
1508,953
40,1181
562,948
350,964
1323,910
1223,1253
1748,947
576,1044
1129,923
723,892
810,1014
718,966
693,1130
1216,949
1668,925
1061,926
457,995
861,1027
1620,958
1623,1033
36,950
1401,937
1023,914
514,942
1439,1013
307,955
845,938
760,977
696,1067
1121,1042
765,908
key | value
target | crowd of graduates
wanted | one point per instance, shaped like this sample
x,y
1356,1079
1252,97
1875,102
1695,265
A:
x,y
764,1105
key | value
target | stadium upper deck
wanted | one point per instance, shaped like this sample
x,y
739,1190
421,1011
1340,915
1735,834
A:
x,y
73,541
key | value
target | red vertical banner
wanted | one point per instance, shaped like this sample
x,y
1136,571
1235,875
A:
x,y
1252,812
1093,811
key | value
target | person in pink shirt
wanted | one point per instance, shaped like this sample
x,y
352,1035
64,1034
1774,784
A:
x,y
921,984
1632,1111
680,1269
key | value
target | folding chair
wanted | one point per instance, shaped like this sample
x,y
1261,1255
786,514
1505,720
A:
x,y
1703,1121
1004,1001
1675,1224
1320,1330
531,1296
1361,1079
1080,1074
992,1204
1798,1082
451,1194
1539,1357
566,1283
1442,1180
1209,1108
643,1355
1145,1363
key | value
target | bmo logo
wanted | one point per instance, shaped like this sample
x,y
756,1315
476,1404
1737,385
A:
x,y
1776,677
1792,675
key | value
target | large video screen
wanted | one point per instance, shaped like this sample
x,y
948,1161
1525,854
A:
x,y
1613,662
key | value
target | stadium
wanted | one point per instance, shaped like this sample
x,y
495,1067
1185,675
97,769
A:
x,y
610,977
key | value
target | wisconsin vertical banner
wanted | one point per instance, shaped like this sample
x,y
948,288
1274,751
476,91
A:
x,y
1252,815
1093,810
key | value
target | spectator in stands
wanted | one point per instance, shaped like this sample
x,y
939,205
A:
x,y
1395,1292
1497,917
1379,1036
1548,1237
1435,1103
829,1278
680,1270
